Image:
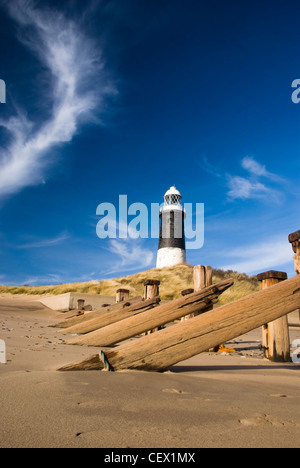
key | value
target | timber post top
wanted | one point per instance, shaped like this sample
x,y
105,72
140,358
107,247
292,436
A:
x,y
294,237
272,274
151,282
186,292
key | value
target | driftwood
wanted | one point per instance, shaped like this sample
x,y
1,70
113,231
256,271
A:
x,y
167,347
96,313
110,317
120,331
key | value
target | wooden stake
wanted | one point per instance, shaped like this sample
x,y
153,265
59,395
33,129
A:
x,y
202,279
276,338
122,295
151,288
154,318
294,239
151,291
80,303
174,344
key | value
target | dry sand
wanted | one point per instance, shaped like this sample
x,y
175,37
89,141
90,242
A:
x,y
211,400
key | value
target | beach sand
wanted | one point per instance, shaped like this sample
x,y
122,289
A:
x,y
211,400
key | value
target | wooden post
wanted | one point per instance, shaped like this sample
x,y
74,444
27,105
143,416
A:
x,y
174,344
202,279
122,295
154,318
2,352
151,288
294,239
81,303
151,291
276,338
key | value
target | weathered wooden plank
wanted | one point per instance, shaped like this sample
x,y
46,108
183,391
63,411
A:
x,y
167,347
151,319
96,313
112,317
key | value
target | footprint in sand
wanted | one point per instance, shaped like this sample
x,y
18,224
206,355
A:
x,y
264,420
259,420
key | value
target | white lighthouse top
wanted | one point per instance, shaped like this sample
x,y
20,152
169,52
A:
x,y
172,199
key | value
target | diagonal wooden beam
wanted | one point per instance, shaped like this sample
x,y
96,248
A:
x,y
150,319
167,347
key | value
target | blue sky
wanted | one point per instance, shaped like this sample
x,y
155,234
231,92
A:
x,y
115,97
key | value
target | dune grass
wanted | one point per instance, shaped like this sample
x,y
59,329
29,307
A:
x,y
173,280
92,287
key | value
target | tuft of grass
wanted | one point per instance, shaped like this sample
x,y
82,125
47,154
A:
x,y
173,280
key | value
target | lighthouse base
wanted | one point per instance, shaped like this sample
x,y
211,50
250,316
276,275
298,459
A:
x,y
170,256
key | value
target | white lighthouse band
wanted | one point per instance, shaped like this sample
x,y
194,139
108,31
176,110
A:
x,y
171,249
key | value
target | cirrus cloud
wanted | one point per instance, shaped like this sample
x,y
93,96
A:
x,y
253,186
79,86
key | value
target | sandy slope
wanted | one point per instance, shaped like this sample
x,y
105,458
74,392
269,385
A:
x,y
210,400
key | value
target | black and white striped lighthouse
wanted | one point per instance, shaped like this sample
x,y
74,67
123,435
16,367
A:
x,y
171,249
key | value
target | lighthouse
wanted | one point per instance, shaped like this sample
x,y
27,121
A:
x,y
171,249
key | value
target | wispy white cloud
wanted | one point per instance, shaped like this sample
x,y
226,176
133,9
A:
x,y
258,183
274,253
253,186
129,251
43,280
242,188
254,167
42,243
132,255
78,86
